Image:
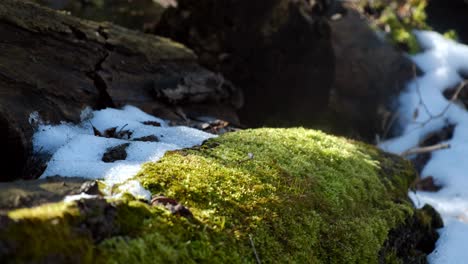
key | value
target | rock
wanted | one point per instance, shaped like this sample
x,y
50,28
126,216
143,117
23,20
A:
x,y
91,188
116,153
413,241
272,51
55,65
369,74
299,196
278,51
426,184
22,194
98,220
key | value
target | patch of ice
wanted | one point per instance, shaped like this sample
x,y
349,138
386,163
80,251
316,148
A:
x,y
423,110
77,152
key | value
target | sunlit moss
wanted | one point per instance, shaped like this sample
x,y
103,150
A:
x,y
46,233
302,195
47,211
451,34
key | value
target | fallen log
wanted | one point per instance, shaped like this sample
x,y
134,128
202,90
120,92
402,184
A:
x,y
56,65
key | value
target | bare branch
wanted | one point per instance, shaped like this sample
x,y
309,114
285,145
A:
x,y
254,250
421,150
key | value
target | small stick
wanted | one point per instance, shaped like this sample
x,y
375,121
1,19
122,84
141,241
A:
x,y
421,150
254,250
122,128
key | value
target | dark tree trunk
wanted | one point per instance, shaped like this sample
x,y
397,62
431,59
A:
x,y
56,65
278,51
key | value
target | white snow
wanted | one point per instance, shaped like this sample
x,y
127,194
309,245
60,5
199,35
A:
x,y
77,197
423,109
77,152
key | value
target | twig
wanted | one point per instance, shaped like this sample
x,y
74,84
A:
x,y
418,90
447,107
122,128
421,150
254,250
460,87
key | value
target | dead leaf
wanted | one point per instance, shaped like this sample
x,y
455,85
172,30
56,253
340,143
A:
x,y
172,205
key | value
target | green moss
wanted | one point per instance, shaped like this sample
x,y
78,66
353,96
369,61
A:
x,y
401,24
399,18
451,34
304,197
45,234
297,195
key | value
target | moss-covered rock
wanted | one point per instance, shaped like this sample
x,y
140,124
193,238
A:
x,y
286,195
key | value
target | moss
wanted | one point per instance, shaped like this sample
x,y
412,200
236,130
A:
x,y
399,19
297,195
303,196
45,234
451,34
39,19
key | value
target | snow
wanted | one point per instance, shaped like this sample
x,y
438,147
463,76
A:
x,y
77,197
422,110
77,152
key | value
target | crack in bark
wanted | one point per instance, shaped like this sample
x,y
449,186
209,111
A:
x,y
104,98
102,32
80,35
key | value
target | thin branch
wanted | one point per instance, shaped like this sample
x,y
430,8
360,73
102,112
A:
x,y
418,90
452,100
446,108
421,150
254,250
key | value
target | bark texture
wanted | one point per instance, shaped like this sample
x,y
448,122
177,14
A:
x,y
56,65
278,51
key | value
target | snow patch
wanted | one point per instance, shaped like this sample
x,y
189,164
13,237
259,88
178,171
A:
x,y
77,197
423,110
77,152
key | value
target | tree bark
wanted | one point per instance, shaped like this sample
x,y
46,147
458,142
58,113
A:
x,y
278,51
56,65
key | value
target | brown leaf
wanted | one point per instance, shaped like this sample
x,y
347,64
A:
x,y
172,205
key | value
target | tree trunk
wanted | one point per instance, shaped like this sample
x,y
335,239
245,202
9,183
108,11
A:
x,y
278,51
56,65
